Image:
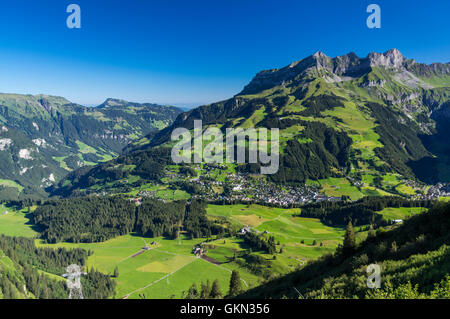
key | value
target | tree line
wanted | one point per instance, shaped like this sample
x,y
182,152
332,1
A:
x,y
95,219
361,212
24,278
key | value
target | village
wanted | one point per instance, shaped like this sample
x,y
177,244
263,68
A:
x,y
215,182
243,187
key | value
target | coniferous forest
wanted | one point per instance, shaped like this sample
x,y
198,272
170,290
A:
x,y
95,219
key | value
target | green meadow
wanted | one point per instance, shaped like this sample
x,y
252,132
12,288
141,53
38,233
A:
x,y
338,187
166,270
15,222
391,213
299,238
168,267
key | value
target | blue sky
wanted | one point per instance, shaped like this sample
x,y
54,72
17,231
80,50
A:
x,y
198,51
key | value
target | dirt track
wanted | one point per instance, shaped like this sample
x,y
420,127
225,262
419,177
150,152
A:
x,y
209,259
138,253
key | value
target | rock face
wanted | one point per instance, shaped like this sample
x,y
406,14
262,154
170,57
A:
x,y
348,65
391,59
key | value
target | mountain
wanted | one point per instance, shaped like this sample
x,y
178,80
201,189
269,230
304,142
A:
x,y
379,122
43,137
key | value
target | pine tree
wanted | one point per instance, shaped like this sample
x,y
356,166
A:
x,y
371,234
235,283
349,240
116,272
192,293
215,290
205,290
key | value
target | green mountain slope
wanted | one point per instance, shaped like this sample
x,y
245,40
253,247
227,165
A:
x,y
414,261
365,120
42,138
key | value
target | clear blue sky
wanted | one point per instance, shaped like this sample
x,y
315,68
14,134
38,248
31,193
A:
x,y
197,51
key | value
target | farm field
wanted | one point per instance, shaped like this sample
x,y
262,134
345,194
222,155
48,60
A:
x,y
300,238
168,268
338,187
164,271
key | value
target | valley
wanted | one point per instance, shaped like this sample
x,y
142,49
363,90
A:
x,y
42,138
161,267
355,145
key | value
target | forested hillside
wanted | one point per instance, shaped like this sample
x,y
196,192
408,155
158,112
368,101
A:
x,y
42,138
367,120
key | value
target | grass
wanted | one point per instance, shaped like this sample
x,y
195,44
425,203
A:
x,y
392,213
352,119
85,149
405,190
167,269
337,187
10,183
62,162
284,224
169,194
196,271
15,223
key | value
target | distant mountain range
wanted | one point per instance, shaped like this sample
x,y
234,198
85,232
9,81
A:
x,y
366,119
43,137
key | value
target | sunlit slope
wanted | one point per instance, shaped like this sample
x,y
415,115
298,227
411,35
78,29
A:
x,y
361,119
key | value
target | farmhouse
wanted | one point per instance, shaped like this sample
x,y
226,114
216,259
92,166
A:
x,y
137,201
245,230
197,251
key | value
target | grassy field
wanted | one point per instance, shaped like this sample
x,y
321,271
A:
x,y
169,268
405,190
15,223
337,187
391,213
164,271
294,234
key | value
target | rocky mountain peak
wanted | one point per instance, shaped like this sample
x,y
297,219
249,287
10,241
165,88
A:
x,y
392,58
348,65
320,55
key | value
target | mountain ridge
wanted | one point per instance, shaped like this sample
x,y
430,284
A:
x,y
344,65
42,137
365,121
